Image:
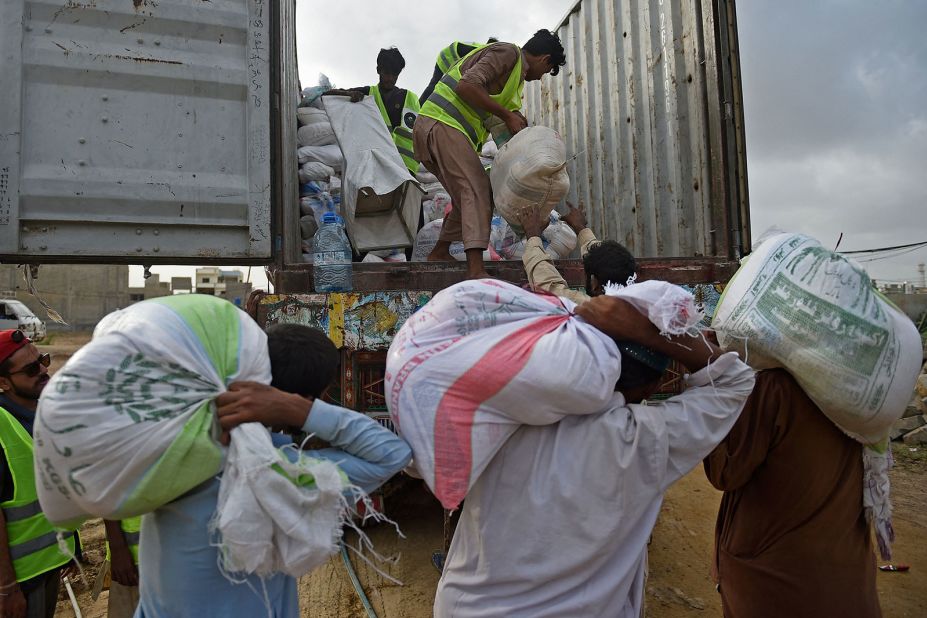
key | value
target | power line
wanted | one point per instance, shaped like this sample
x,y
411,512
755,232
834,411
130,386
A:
x,y
881,249
894,255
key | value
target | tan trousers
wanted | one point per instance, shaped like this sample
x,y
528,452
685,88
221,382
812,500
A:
x,y
447,153
122,601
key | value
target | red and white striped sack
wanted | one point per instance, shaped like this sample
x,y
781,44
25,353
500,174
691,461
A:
x,y
479,360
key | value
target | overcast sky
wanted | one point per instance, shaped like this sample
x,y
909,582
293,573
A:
x,y
835,99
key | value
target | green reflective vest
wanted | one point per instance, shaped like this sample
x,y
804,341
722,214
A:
x,y
130,529
402,133
450,55
33,543
444,105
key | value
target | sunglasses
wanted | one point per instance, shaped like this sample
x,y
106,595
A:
x,y
32,369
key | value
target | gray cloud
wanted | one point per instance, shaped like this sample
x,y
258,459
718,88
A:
x,y
836,122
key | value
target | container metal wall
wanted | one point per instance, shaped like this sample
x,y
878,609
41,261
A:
x,y
649,106
135,130
283,125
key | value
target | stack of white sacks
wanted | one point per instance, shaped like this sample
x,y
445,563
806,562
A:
x,y
320,162
319,154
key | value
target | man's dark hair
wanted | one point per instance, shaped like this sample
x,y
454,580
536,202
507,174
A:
x,y
546,42
491,40
609,261
5,367
391,61
303,360
635,373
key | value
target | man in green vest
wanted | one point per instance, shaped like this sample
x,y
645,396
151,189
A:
x,y
448,57
122,553
450,131
30,558
398,106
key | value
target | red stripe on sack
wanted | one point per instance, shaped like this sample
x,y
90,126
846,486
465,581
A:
x,y
481,382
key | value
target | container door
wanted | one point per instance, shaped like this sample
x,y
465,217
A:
x,y
135,131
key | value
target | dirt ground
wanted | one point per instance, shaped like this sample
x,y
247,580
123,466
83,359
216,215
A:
x,y
680,553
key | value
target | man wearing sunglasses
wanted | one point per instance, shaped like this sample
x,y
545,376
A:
x,y
30,559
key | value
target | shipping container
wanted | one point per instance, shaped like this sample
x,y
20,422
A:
x,y
649,105
165,133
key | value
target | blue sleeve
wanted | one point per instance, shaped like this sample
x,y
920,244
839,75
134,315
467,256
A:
x,y
280,439
366,452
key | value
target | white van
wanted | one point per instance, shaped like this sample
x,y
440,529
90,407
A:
x,y
14,314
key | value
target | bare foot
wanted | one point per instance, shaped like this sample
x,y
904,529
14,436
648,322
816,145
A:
x,y
475,268
441,252
440,256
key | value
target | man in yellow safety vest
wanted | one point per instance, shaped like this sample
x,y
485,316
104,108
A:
x,y
398,106
30,556
450,131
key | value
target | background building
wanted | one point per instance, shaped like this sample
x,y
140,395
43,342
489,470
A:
x,y
153,288
82,294
225,283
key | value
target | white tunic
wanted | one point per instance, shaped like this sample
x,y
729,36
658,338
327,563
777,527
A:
x,y
558,523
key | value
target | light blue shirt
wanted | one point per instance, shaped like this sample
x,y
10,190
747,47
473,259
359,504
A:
x,y
178,567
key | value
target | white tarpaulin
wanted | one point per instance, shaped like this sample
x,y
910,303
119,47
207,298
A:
x,y
381,199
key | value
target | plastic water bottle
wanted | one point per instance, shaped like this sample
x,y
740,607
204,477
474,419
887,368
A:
x,y
498,129
332,256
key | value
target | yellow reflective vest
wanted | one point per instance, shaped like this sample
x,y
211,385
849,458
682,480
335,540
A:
x,y
33,542
131,528
402,133
450,55
444,105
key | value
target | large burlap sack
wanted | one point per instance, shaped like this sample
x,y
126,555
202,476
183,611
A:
x,y
426,239
316,134
313,170
311,115
129,424
797,305
529,172
461,369
329,155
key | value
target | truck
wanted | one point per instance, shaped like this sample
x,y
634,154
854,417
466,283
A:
x,y
16,315
151,133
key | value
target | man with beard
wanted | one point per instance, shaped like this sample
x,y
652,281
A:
x,y
30,558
